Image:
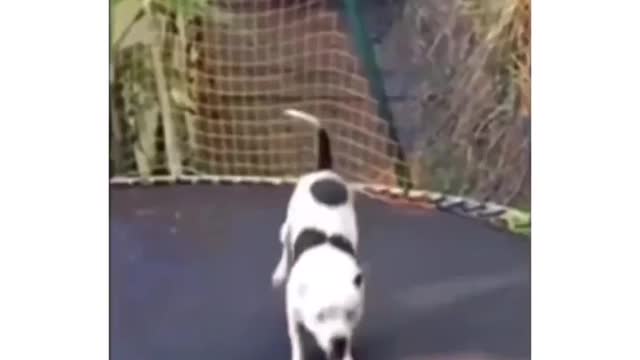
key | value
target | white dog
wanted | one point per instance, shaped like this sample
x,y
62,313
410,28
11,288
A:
x,y
324,290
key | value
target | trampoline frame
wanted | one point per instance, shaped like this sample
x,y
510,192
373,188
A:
x,y
499,216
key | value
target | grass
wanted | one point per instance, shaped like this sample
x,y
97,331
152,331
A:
x,y
475,101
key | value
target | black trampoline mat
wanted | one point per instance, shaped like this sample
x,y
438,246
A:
x,y
190,277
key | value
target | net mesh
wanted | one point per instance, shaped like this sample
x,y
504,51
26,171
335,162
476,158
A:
x,y
205,93
199,88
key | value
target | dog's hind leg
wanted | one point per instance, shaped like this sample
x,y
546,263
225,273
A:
x,y
280,272
294,335
348,355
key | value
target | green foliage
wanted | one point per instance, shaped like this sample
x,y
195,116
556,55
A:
x,y
505,26
137,81
124,15
186,8
519,222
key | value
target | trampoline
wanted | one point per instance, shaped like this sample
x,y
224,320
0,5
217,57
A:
x,y
191,266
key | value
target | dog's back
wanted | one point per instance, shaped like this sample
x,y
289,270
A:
x,y
322,200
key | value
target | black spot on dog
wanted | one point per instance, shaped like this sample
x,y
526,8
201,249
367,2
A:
x,y
307,239
342,243
357,281
310,238
329,192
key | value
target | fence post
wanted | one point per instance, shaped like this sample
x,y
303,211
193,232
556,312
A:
x,y
174,158
373,74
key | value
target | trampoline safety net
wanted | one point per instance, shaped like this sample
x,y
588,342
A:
x,y
198,90
228,75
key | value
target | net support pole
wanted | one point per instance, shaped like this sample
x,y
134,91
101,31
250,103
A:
x,y
365,50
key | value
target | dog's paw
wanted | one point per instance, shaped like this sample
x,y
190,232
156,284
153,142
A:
x,y
278,277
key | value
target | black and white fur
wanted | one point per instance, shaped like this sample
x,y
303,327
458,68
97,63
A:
x,y
324,289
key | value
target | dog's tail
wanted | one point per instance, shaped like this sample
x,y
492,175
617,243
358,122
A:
x,y
325,158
